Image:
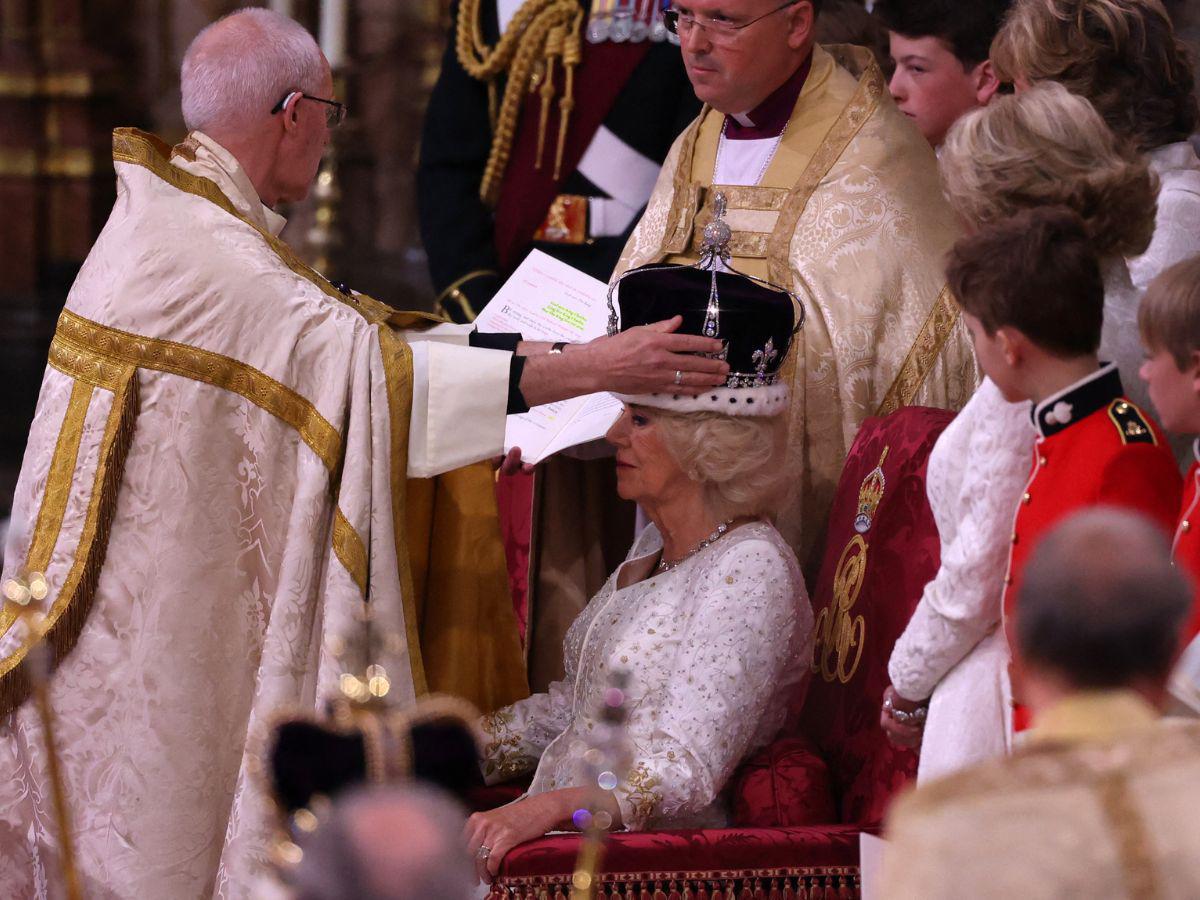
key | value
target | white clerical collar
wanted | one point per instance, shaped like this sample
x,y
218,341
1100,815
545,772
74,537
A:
x,y
214,162
743,119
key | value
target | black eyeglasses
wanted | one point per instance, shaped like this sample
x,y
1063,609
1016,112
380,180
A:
x,y
335,115
716,29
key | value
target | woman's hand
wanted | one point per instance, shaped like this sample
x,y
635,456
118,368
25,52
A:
x,y
906,734
490,835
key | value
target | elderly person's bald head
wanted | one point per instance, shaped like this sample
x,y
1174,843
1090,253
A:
x,y
398,843
237,69
1101,606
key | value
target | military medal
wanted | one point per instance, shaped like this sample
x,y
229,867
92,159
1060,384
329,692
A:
x,y
658,28
599,21
641,22
622,22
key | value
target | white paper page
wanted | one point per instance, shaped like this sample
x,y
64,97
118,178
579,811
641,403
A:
x,y
591,421
548,300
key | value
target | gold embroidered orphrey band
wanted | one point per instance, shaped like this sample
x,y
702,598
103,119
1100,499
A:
x,y
63,624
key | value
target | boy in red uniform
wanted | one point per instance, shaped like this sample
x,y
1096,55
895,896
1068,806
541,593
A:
x,y
1169,320
1033,298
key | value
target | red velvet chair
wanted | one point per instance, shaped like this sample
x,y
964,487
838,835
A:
x,y
800,803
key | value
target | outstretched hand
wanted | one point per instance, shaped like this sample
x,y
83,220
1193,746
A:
x,y
648,359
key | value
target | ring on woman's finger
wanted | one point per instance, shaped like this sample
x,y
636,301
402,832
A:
x,y
678,377
484,852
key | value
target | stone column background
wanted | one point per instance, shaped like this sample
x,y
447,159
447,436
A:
x,y
72,70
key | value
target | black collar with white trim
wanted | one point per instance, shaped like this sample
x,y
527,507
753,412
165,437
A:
x,y
1078,401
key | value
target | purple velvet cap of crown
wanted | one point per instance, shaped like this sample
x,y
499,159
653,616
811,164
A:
x,y
755,322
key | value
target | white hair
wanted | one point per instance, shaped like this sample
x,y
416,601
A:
x,y
238,68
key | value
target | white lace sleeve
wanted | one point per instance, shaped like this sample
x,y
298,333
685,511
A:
x,y
726,689
516,736
963,601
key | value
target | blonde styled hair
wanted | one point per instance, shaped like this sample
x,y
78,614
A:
x,y
1048,147
1122,55
737,459
1169,314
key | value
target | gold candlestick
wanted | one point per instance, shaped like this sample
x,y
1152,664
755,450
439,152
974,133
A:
x,y
39,665
324,237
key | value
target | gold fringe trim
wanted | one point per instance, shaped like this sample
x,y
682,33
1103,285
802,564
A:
x,y
70,610
350,550
540,32
86,349
398,378
793,883
923,355
57,491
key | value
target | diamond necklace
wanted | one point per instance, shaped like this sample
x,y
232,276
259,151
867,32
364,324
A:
x,y
664,566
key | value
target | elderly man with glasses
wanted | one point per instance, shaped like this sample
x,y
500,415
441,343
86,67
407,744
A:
x,y
831,192
213,498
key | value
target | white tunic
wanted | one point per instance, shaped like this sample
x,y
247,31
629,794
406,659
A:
x,y
953,648
714,649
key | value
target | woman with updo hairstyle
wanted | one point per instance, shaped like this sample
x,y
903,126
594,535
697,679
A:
x,y
1043,147
704,633
1049,147
1124,57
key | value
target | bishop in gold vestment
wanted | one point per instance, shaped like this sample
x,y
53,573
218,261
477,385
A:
x,y
848,213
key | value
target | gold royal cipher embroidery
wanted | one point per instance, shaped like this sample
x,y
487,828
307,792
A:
x,y
838,634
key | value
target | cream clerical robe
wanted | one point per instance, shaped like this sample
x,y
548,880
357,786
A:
x,y
1099,802
214,481
849,215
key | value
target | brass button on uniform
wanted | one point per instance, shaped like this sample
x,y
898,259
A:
x,y
1041,460
1026,498
1185,526
1014,537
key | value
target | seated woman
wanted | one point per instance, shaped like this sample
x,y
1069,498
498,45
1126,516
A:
x,y
1042,147
708,617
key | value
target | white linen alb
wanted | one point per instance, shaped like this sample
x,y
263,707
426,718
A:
x,y
714,649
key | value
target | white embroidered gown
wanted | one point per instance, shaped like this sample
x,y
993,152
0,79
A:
x,y
714,649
